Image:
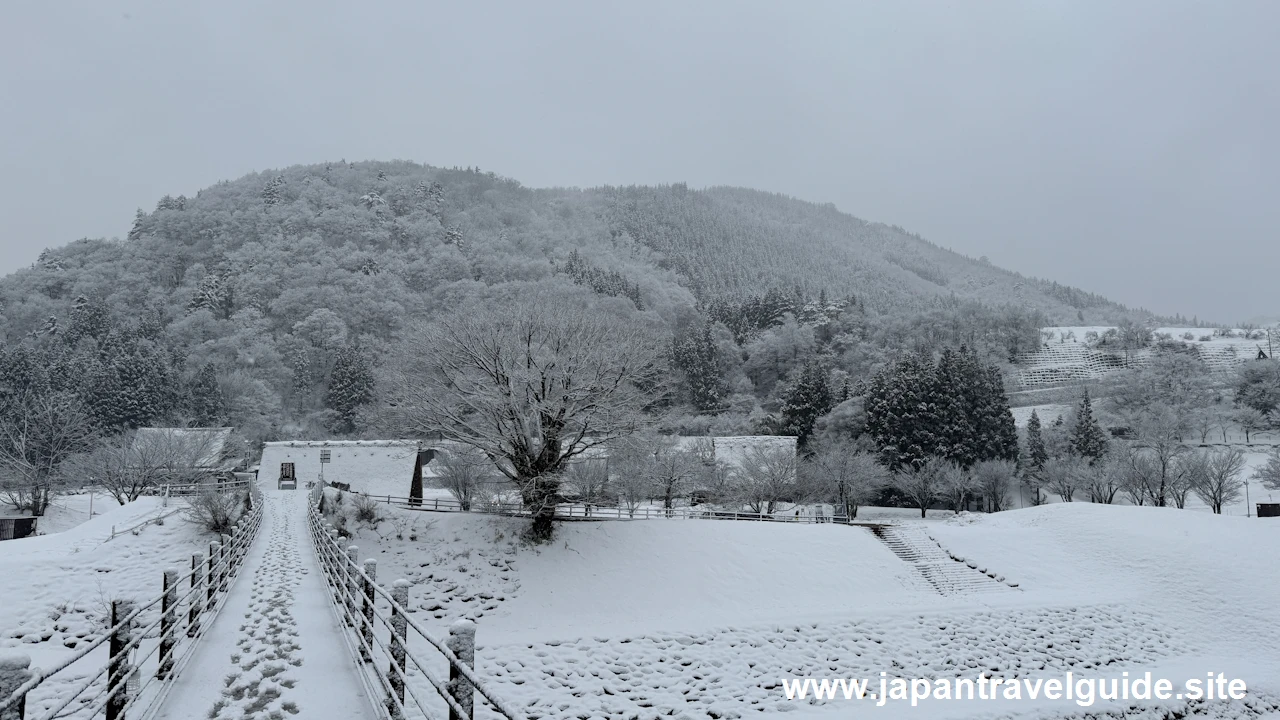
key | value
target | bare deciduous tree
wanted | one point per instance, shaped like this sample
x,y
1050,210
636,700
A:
x,y
37,435
764,477
1269,473
1063,477
922,484
130,464
843,473
464,472
957,486
994,478
1105,477
531,386
1217,478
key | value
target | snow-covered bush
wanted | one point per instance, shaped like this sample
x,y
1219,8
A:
x,y
215,511
366,510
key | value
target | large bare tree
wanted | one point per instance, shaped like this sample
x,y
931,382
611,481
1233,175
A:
x,y
130,464
532,386
1216,477
847,474
37,435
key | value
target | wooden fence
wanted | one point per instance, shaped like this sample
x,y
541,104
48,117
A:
x,y
570,511
117,689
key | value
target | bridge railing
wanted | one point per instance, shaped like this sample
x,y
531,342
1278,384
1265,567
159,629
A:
x,y
146,646
401,656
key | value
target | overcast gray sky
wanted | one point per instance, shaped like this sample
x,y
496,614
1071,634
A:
x,y
1128,148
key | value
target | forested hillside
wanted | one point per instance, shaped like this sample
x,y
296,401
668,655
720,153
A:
x,y
269,302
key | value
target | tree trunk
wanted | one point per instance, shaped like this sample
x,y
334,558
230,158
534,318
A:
x,y
923,510
542,528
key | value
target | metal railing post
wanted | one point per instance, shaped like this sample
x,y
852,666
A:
x,y
15,669
462,642
399,631
168,621
366,630
118,661
197,581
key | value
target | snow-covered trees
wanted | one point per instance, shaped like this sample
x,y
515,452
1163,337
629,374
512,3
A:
x,y
994,479
695,355
464,472
1088,440
132,463
808,398
205,402
589,479
40,431
1036,452
1063,476
923,483
1258,385
351,386
1269,473
532,386
1216,477
766,476
956,410
839,471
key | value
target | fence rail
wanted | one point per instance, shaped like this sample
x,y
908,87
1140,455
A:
x,y
567,511
190,489
158,649
389,643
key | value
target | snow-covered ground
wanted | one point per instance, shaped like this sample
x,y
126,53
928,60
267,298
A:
x,y
56,589
687,618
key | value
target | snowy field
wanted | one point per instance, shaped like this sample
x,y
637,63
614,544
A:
x,y
702,619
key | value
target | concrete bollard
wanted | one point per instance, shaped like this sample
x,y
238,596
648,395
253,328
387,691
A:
x,y
15,669
462,642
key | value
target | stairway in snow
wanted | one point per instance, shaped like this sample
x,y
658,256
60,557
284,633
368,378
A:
x,y
945,573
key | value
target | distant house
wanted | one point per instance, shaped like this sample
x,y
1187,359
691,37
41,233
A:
x,y
376,467
191,454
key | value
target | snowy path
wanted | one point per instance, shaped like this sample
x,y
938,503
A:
x,y
275,651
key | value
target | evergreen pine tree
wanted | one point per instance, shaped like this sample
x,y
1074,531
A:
x,y
1036,452
901,415
808,399
89,318
135,232
273,191
1087,437
350,385
212,294
695,354
205,398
